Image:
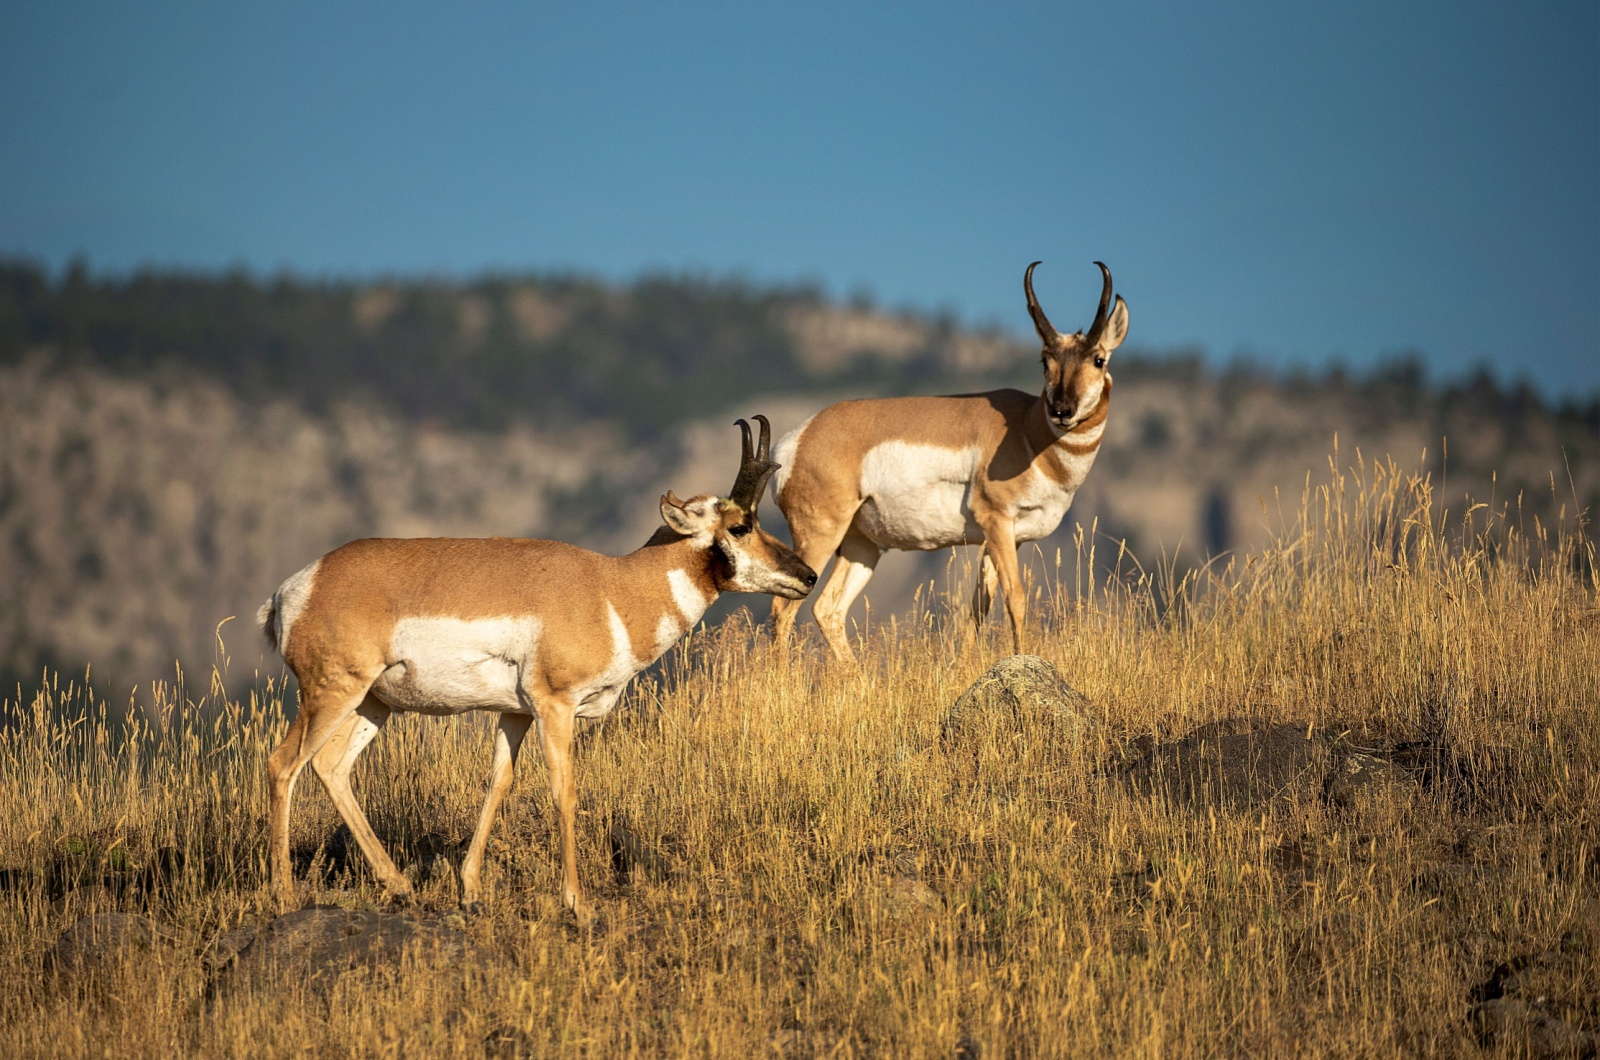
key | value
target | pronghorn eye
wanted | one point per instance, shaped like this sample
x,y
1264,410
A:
x,y
1099,360
740,530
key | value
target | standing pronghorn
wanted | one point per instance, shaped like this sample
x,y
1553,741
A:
x,y
532,630
996,469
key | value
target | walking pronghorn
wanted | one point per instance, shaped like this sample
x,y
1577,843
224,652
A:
x,y
997,469
535,631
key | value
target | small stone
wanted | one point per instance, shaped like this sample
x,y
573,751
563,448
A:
x,y
908,898
1028,694
1361,775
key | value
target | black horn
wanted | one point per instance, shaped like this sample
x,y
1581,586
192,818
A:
x,y
755,467
1099,326
1041,323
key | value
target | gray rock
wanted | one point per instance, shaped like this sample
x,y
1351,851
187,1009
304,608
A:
x,y
96,945
1026,695
1236,761
228,945
1527,1030
323,942
907,899
1359,776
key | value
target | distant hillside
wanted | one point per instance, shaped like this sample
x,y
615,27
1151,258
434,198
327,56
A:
x,y
172,446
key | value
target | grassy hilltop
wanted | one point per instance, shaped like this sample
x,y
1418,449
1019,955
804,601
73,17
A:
x,y
1409,866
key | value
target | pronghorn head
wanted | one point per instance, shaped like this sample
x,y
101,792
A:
x,y
1075,373
746,559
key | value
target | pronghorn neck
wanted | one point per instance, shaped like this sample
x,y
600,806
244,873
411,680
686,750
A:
x,y
686,567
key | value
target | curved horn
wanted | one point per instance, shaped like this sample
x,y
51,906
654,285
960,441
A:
x,y
1099,326
1041,323
745,451
754,467
763,447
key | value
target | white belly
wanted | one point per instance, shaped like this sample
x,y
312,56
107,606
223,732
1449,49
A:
x,y
918,496
451,665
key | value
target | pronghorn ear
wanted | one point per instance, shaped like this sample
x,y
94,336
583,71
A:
x,y
1116,326
682,519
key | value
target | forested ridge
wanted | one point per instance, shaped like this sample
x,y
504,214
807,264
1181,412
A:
x,y
483,354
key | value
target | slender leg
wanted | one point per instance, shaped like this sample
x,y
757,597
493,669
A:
x,y
555,732
858,557
983,589
324,706
507,743
1000,547
814,543
333,764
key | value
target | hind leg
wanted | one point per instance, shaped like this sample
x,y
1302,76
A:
x,y
325,705
332,765
858,557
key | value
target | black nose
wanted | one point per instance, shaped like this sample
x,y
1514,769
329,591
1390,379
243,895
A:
x,y
810,579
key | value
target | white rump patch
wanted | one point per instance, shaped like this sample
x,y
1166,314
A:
x,y
918,496
783,454
292,597
451,665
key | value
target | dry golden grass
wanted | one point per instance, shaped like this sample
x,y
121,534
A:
x,y
851,884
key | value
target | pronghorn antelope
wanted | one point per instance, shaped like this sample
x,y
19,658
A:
x,y
996,469
535,631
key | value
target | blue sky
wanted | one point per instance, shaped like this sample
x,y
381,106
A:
x,y
1296,182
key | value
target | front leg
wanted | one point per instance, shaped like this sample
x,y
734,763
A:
x,y
555,731
1000,549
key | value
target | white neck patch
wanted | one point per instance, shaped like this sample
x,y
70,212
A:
x,y
691,602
